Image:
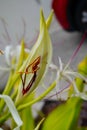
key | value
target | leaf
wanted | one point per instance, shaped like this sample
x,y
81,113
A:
x,y
12,110
64,117
27,118
26,115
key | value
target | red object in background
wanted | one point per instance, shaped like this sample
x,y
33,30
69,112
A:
x,y
71,14
60,8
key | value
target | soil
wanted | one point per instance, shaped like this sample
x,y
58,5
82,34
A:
x,y
5,127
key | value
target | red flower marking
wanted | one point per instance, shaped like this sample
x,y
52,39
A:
x,y
34,68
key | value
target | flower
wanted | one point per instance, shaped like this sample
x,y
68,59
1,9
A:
x,y
34,68
12,53
64,72
12,110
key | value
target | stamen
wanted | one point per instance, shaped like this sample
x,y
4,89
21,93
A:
x,y
25,90
34,68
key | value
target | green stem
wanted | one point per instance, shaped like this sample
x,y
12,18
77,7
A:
x,y
39,98
11,81
8,88
21,107
4,118
6,91
14,94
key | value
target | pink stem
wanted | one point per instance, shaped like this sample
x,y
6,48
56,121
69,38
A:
x,y
59,91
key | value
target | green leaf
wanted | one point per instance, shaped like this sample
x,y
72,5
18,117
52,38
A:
x,y
64,117
26,115
27,118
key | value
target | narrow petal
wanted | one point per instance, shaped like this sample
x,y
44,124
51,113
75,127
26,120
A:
x,y
53,66
73,83
12,110
60,64
76,74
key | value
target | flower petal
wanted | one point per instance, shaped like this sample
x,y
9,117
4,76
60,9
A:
x,y
12,110
42,49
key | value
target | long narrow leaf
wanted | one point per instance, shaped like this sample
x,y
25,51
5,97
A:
x,y
27,118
